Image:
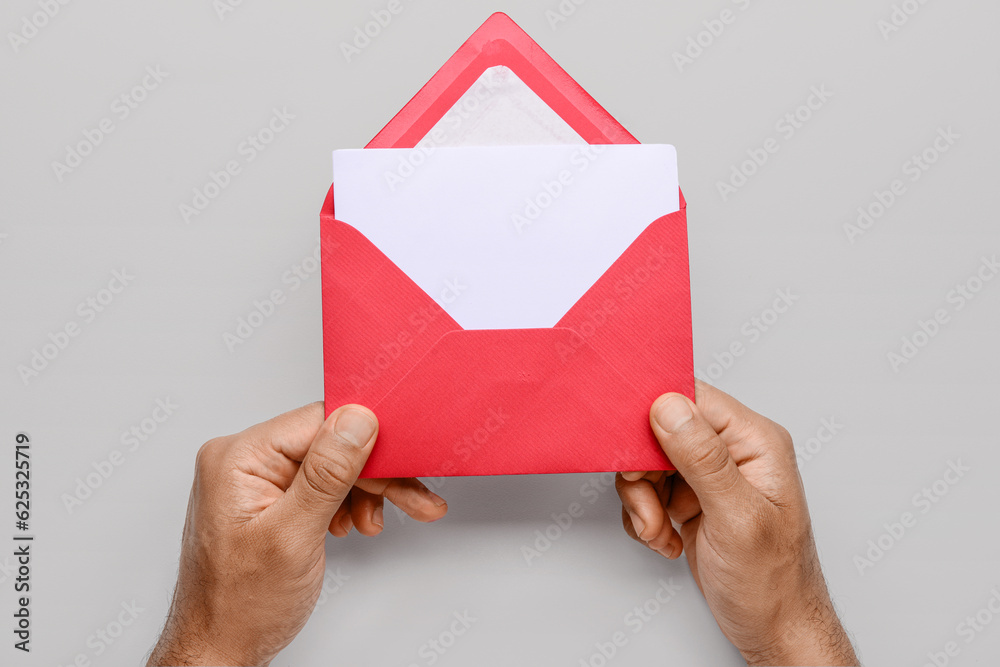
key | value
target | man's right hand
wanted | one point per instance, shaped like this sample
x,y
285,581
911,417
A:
x,y
744,524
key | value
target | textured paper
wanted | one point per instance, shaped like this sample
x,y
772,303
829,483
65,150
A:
x,y
451,401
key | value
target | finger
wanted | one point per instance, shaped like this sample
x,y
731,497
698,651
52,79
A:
x,y
643,506
630,527
718,408
699,454
689,535
290,433
652,475
367,512
667,542
670,546
683,504
409,495
733,421
330,468
341,524
272,450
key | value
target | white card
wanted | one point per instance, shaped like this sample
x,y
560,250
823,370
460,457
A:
x,y
505,237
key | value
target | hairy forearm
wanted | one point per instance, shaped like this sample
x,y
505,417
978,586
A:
x,y
183,647
815,638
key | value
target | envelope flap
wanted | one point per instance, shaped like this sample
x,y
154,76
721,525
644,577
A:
x,y
526,407
501,42
651,276
374,340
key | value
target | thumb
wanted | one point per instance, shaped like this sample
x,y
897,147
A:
x,y
695,448
331,467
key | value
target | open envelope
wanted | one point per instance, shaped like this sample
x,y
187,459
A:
x,y
573,397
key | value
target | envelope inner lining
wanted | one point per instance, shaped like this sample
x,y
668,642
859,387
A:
x,y
500,110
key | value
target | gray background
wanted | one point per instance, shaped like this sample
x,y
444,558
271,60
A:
x,y
826,357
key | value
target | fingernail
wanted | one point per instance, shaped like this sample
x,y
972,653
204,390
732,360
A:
x,y
355,427
377,517
632,476
638,524
346,522
671,551
434,498
673,413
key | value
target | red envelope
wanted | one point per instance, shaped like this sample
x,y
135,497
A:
x,y
573,398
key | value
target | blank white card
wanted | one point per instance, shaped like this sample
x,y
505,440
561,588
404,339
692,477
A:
x,y
505,237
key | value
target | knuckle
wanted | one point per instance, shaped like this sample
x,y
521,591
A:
x,y
765,528
284,547
274,546
330,473
781,434
766,433
305,420
209,454
660,540
708,458
761,528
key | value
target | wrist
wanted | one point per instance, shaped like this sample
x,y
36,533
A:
x,y
810,635
188,647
